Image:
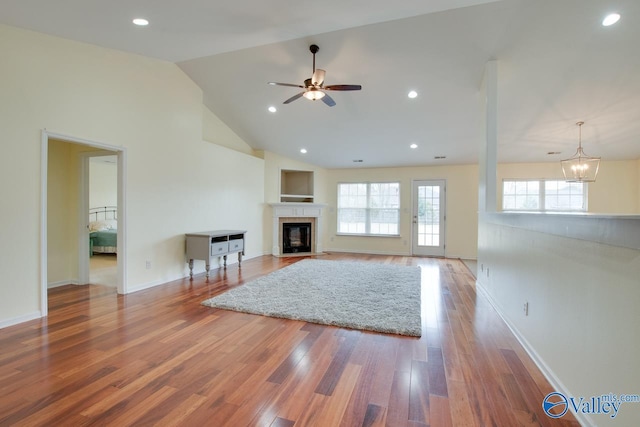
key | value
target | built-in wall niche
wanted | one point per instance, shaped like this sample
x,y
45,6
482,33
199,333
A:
x,y
296,186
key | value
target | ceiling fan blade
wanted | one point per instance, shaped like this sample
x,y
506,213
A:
x,y
285,84
293,98
343,87
318,77
328,100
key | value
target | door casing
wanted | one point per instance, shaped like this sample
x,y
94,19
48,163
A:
x,y
422,250
121,153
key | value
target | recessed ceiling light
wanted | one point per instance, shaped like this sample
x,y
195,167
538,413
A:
x,y
414,146
412,94
303,150
611,19
551,153
272,109
141,22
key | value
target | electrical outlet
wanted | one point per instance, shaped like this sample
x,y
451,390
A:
x,y
487,271
148,265
526,308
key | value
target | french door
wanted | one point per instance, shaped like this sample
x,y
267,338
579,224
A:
x,y
428,217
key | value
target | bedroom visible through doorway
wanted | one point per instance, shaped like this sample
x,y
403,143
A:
x,y
67,246
103,219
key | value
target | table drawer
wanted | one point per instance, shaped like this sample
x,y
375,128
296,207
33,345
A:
x,y
236,245
219,248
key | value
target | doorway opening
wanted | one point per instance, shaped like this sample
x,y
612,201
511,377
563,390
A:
x,y
67,242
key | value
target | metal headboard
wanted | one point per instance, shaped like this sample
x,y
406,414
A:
x,y
103,213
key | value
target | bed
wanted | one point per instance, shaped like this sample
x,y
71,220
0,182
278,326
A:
x,y
103,230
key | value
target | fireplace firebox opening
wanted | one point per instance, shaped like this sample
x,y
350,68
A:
x,y
296,237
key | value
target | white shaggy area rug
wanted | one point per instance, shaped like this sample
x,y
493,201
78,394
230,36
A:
x,y
358,295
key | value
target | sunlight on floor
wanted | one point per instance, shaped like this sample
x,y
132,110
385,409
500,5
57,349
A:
x,y
103,270
430,298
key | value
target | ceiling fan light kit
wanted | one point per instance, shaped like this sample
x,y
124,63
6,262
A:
x,y
580,167
314,94
314,87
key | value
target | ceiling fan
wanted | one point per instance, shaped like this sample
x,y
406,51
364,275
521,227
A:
x,y
314,88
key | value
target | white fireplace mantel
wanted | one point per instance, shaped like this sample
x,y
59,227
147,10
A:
x,y
296,210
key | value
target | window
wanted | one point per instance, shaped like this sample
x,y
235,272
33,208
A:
x,y
369,208
521,195
564,196
543,195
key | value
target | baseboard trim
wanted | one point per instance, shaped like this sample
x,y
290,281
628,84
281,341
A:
x,y
51,285
199,271
367,252
353,251
148,285
300,254
539,361
20,319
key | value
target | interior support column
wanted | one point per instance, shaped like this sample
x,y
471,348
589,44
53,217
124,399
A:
x,y
487,161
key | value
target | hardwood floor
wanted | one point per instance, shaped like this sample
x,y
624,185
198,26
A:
x,y
103,270
158,357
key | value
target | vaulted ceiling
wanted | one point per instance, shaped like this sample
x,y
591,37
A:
x,y
556,65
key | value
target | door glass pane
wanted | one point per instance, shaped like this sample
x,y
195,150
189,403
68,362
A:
x,y
428,215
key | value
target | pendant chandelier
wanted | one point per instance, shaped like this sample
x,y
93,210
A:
x,y
580,167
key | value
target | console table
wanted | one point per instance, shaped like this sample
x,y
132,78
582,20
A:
x,y
218,243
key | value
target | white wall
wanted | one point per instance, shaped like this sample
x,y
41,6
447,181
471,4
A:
x,y
616,189
273,164
215,131
461,200
103,184
583,300
638,184
228,194
62,213
578,274
175,182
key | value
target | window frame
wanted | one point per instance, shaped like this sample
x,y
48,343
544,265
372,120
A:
x,y
542,195
368,209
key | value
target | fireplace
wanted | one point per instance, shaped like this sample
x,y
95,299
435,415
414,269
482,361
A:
x,y
296,237
297,214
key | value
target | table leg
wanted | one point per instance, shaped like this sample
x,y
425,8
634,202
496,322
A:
x,y
225,261
240,259
191,268
207,267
